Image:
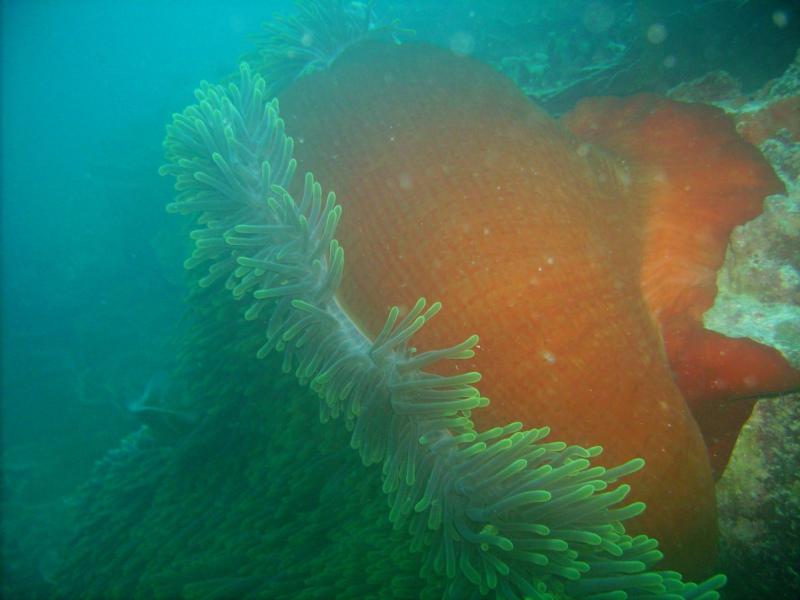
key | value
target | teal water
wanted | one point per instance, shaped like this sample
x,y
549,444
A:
x,y
92,278
91,284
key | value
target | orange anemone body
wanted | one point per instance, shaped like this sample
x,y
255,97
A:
x,y
572,254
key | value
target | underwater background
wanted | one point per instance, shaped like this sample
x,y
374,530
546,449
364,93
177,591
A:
x,y
139,458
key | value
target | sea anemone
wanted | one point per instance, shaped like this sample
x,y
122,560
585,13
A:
x,y
310,40
499,510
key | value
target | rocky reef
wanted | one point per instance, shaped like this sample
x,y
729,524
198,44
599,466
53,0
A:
x,y
759,297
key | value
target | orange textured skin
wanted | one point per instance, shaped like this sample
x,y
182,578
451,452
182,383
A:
x,y
456,188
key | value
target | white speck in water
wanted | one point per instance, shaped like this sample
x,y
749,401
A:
x,y
462,43
308,39
656,33
548,357
780,18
